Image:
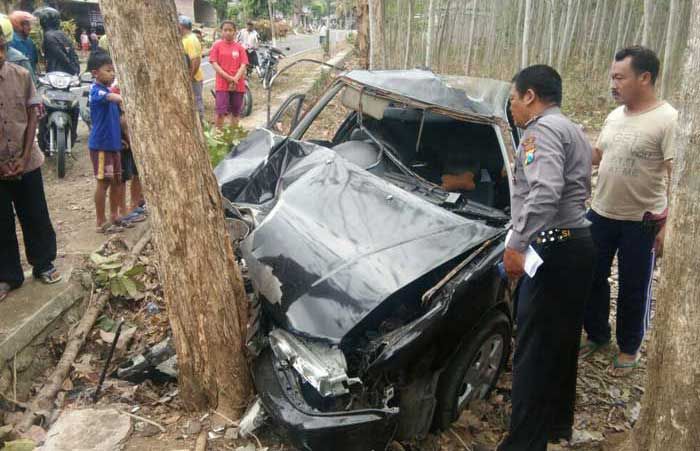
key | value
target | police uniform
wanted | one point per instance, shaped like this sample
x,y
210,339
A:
x,y
551,182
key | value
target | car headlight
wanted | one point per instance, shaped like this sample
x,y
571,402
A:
x,y
322,366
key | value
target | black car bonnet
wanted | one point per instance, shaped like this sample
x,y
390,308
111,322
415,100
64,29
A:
x,y
334,241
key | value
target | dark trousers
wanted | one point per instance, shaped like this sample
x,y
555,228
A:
x,y
549,318
635,260
27,196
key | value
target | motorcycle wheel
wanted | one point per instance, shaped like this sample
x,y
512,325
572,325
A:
x,y
61,152
247,103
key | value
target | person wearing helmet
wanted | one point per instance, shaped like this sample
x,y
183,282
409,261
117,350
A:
x,y
22,26
21,184
58,47
193,50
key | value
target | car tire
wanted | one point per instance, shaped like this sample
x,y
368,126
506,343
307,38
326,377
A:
x,y
480,355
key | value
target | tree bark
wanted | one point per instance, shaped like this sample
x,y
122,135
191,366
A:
x,y
668,50
409,31
671,404
526,33
471,37
647,22
272,24
429,33
552,13
376,35
363,43
202,284
567,27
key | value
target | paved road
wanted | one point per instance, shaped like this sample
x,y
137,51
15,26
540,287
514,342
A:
x,y
291,45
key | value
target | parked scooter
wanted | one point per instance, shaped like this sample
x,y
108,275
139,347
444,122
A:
x,y
268,60
55,127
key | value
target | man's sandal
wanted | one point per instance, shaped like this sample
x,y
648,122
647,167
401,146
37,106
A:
x,y
5,289
49,277
590,348
619,369
108,228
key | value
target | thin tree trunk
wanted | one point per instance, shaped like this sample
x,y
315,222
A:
x,y
429,34
568,37
471,38
202,284
591,32
526,33
552,13
408,34
646,31
272,24
671,404
627,26
376,35
567,28
670,45
599,39
363,40
620,24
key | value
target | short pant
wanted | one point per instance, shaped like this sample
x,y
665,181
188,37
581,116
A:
x,y
229,102
106,165
129,170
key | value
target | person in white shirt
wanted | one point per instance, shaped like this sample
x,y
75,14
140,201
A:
x,y
322,34
248,38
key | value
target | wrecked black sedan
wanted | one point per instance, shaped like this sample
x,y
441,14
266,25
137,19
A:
x,y
371,229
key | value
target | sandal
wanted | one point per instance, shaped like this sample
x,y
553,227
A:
x,y
5,289
49,277
108,228
619,369
133,217
123,224
591,347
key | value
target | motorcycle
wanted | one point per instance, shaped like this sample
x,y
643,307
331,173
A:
x,y
55,135
268,60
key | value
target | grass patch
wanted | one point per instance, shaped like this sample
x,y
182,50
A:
x,y
220,142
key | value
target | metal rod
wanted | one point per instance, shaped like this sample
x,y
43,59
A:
x,y
96,396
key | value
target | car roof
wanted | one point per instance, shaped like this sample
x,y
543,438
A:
x,y
476,97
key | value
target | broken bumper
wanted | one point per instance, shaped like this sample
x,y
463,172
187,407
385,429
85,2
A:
x,y
312,430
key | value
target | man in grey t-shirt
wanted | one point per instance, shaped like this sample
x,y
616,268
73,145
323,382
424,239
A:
x,y
551,182
635,151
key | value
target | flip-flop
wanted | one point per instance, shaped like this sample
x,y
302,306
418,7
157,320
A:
x,y
5,289
619,369
108,228
123,224
590,348
133,217
49,277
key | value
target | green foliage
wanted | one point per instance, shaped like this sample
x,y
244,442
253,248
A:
x,y
318,9
121,281
220,142
221,7
258,8
233,12
69,27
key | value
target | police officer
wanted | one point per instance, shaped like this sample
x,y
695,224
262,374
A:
x,y
551,182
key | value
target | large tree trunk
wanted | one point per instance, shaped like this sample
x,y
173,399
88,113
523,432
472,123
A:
x,y
670,46
202,285
376,35
363,44
671,404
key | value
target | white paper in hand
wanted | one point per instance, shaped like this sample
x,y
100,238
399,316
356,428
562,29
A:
x,y
532,259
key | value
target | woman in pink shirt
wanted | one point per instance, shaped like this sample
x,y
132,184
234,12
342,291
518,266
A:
x,y
229,60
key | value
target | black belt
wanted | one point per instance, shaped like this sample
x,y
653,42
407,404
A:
x,y
560,235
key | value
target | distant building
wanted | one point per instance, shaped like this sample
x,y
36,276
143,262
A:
x,y
199,10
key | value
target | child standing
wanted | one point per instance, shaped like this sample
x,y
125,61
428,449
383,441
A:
x,y
229,60
105,142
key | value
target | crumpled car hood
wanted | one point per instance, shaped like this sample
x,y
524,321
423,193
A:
x,y
336,241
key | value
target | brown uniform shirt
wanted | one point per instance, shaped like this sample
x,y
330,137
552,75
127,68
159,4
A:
x,y
17,94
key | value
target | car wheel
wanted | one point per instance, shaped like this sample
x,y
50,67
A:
x,y
473,371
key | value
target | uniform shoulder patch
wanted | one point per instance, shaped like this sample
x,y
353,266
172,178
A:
x,y
529,148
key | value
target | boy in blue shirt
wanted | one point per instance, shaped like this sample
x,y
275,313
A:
x,y
105,142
